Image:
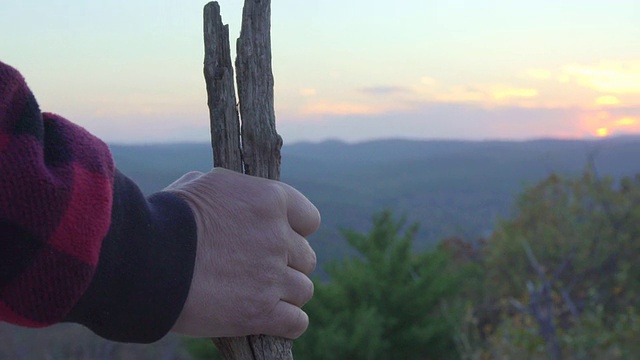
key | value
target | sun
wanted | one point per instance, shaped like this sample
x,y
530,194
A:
x,y
602,132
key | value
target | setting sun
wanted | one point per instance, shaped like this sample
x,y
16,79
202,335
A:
x,y
602,132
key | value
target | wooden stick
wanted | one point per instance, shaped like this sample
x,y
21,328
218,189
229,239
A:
x,y
257,150
221,93
260,142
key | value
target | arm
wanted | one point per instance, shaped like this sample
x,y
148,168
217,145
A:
x,y
80,243
78,240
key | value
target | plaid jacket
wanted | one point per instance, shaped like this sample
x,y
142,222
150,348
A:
x,y
78,240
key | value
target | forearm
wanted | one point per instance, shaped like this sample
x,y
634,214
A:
x,y
78,241
145,268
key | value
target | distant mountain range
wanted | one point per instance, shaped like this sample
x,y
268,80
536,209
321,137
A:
x,y
452,188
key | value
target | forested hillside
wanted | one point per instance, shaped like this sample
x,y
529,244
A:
x,y
554,278
452,188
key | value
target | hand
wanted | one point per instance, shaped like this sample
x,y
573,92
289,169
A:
x,y
252,261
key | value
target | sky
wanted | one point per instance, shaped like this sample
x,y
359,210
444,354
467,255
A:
x,y
130,71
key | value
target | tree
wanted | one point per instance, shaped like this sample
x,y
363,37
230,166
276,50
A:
x,y
570,249
385,303
593,217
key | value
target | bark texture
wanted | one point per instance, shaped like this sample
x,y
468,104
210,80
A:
x,y
253,147
260,142
221,93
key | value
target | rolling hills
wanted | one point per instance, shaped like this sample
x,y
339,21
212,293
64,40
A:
x,y
452,188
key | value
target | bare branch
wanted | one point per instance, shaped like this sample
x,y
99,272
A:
x,y
254,148
221,93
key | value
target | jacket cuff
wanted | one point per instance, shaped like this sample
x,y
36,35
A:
x,y
145,267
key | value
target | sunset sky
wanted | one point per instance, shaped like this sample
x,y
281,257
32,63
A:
x,y
131,70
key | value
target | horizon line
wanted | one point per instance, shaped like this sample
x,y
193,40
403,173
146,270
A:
x,y
397,138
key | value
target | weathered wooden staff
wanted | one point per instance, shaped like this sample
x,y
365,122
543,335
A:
x,y
255,148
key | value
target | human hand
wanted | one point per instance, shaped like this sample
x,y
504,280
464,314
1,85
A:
x,y
253,261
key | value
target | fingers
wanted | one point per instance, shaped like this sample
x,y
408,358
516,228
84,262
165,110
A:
x,y
303,216
297,288
301,256
287,318
291,321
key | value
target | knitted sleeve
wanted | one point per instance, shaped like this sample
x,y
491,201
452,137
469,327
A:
x,y
78,240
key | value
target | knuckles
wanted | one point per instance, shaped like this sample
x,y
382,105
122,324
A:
x,y
308,292
312,262
258,312
273,198
299,326
253,217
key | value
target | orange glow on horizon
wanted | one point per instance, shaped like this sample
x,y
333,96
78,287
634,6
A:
x,y
340,108
501,94
605,124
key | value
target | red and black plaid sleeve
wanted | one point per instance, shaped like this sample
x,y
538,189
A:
x,y
78,240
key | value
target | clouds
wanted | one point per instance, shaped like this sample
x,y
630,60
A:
x,y
604,87
308,92
330,108
611,94
607,100
568,101
385,90
423,69
441,121
463,121
573,100
613,77
603,83
488,95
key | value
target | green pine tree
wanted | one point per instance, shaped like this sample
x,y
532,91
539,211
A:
x,y
384,303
